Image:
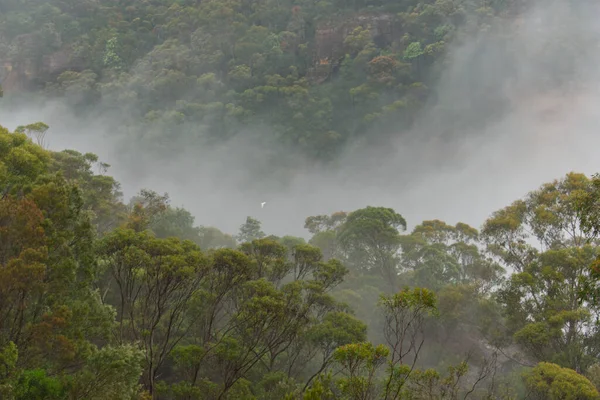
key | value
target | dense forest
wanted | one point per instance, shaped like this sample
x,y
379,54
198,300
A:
x,y
104,297
314,75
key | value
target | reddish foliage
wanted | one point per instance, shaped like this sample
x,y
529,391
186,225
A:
x,y
20,228
382,68
48,337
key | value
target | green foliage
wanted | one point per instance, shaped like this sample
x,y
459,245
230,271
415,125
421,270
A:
x,y
229,64
436,254
413,50
36,130
587,207
101,193
36,385
103,300
371,238
337,329
211,238
550,381
156,281
320,389
250,231
359,362
547,298
8,369
111,57
110,373
433,385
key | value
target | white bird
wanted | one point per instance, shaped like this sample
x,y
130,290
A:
x,y
262,205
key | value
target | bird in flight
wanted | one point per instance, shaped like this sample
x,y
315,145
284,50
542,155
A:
x,y
262,205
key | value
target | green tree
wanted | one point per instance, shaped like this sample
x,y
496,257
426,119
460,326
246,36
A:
x,y
110,373
370,238
53,319
36,130
324,229
101,193
212,238
146,209
552,382
250,230
359,363
111,54
546,303
436,254
337,329
404,330
155,281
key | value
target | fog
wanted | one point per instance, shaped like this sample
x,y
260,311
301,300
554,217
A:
x,y
429,172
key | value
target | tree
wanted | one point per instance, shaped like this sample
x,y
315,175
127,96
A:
x,y
155,281
101,193
370,238
436,254
588,210
405,315
552,382
36,130
23,273
256,314
337,329
413,51
359,363
325,229
37,385
111,54
250,231
175,47
88,310
587,205
176,222
546,303
52,317
146,208
212,238
110,373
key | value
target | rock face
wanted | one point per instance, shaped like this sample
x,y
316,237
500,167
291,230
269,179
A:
x,y
23,71
15,79
330,35
60,61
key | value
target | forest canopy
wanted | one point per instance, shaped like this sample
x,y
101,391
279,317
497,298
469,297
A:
x,y
106,299
316,76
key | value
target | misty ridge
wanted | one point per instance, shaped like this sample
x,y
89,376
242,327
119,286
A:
x,y
367,200
460,161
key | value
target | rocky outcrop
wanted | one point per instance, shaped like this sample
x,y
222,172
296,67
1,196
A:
x,y
22,73
8,79
16,78
25,69
60,61
330,35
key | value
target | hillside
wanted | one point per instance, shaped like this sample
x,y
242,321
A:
x,y
347,143
314,74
